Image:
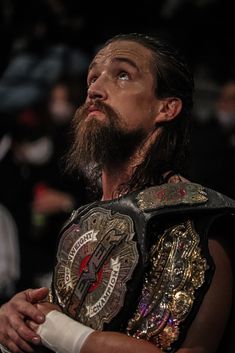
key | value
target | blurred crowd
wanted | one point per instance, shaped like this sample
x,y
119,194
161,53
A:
x,y
213,141
34,190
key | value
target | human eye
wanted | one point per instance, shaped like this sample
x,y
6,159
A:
x,y
91,80
123,75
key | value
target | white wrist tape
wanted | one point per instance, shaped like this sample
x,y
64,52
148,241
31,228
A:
x,y
4,349
62,334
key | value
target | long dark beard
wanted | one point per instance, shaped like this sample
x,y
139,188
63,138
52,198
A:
x,y
101,143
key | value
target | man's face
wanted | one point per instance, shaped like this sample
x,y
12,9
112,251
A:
x,y
120,108
121,76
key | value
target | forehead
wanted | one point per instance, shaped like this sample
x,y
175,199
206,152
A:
x,y
133,51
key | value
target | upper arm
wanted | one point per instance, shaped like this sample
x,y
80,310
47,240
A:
x,y
208,326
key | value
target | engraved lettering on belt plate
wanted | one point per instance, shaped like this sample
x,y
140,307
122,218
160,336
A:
x,y
95,259
92,310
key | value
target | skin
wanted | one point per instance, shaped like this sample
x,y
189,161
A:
x,y
121,76
14,333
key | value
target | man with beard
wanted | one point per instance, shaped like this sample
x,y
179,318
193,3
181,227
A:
x,y
146,269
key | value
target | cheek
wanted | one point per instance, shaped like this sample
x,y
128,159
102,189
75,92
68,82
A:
x,y
137,117
136,109
145,109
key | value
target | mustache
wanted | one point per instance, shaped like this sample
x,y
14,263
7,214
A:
x,y
108,111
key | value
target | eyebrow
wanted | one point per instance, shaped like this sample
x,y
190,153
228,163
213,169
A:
x,y
119,59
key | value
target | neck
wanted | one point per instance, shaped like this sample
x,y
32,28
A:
x,y
116,175
113,178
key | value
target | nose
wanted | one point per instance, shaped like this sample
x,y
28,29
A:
x,y
97,90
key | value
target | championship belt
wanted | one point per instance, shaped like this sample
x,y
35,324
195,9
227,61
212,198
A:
x,y
118,269
97,256
178,270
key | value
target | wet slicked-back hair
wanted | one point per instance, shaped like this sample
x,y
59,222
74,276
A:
x,y
172,79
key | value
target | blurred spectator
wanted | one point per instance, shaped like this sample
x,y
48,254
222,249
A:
x,y
9,255
40,141
29,76
213,144
226,111
213,158
34,187
9,248
60,105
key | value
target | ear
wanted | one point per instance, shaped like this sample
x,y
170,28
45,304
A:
x,y
168,109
